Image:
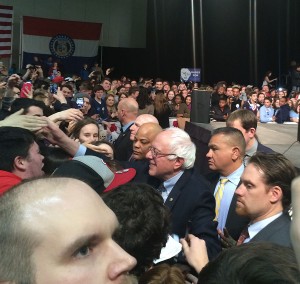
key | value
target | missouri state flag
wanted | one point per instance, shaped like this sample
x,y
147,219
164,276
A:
x,y
69,42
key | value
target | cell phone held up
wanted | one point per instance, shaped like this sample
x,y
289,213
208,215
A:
x,y
79,102
26,88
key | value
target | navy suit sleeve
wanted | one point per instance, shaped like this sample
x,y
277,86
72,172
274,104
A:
x,y
192,208
202,224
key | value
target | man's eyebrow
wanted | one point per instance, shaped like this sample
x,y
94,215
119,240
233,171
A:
x,y
246,181
78,243
211,145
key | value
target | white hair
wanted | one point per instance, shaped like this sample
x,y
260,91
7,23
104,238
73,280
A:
x,y
182,146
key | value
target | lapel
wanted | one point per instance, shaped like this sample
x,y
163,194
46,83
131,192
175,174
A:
x,y
272,228
213,179
123,134
177,189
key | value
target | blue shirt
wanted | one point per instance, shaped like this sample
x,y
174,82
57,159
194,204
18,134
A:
x,y
169,184
266,114
229,189
81,151
124,127
294,114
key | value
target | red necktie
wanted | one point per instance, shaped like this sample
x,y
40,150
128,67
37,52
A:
x,y
244,235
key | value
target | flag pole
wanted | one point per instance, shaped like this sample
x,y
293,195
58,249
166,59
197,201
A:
x,y
21,46
101,48
12,40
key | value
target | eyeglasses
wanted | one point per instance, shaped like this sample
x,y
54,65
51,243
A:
x,y
156,153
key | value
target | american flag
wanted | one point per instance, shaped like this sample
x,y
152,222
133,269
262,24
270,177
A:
x,y
6,20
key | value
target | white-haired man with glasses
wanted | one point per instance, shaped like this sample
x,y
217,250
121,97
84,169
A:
x,y
187,195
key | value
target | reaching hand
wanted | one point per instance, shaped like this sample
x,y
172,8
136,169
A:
x,y
14,77
59,96
3,85
32,123
226,240
69,114
195,252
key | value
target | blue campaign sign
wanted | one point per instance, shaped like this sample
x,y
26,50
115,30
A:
x,y
190,74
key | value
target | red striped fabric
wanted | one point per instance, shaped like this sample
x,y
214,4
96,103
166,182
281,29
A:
x,y
6,20
51,27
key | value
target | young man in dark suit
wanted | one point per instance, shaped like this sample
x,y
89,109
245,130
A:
x,y
246,122
265,197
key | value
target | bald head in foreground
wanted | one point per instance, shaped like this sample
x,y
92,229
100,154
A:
x,y
58,230
140,120
143,139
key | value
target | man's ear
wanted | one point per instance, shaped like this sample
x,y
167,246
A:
x,y
178,163
251,132
236,153
276,194
19,163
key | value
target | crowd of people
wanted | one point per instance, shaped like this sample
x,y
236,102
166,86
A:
x,y
95,186
268,104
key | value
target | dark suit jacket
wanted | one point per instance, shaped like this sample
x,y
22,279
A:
x,y
263,149
234,223
277,232
192,209
123,146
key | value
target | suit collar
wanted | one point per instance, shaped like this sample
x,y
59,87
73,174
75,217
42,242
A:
x,y
177,189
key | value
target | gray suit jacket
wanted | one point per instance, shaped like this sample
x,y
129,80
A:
x,y
277,232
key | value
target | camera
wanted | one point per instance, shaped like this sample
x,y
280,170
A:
x,y
53,88
79,102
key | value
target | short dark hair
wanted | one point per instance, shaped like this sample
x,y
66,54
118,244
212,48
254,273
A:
x,y
53,158
106,79
223,98
267,99
256,262
158,80
68,86
277,171
14,142
246,117
25,103
235,137
98,88
134,89
144,222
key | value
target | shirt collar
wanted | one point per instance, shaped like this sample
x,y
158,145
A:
x,y
256,227
169,184
124,127
253,149
235,176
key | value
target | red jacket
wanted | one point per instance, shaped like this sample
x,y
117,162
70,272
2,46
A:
x,y
8,180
